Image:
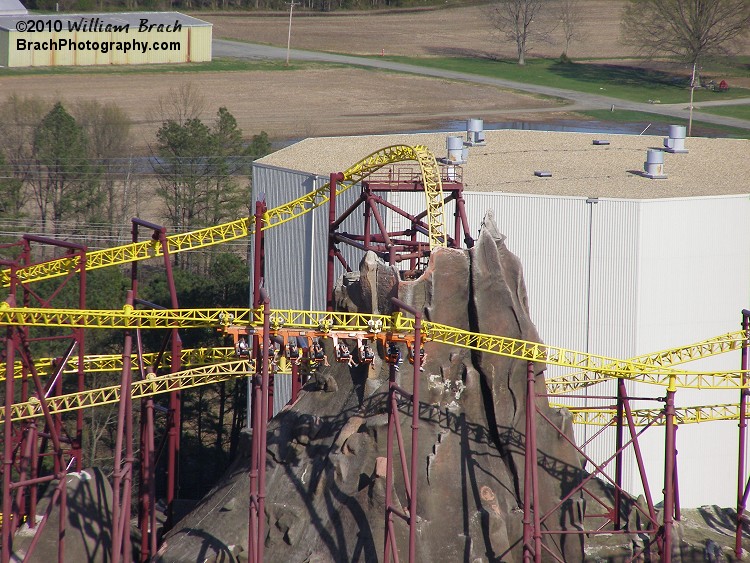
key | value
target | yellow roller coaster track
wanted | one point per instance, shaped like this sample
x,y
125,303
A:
x,y
103,363
243,227
186,379
644,417
325,321
571,382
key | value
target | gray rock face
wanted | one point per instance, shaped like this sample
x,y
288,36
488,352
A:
x,y
326,467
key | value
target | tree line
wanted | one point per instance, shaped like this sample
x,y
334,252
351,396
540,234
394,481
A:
x,y
68,170
69,173
690,30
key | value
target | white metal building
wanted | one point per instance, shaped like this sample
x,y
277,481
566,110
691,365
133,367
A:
x,y
615,263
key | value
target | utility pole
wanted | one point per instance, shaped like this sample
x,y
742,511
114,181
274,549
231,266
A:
x,y
289,35
692,90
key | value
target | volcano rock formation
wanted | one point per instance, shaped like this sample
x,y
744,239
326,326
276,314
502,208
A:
x,y
325,470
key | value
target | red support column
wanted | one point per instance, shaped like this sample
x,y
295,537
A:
x,y
256,524
532,531
675,483
123,468
414,435
79,336
669,471
390,540
741,485
263,434
468,240
6,538
368,216
334,178
255,411
174,416
617,508
409,470
146,507
258,252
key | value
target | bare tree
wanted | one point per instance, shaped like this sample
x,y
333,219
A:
x,y
519,21
180,105
689,29
19,118
107,127
570,13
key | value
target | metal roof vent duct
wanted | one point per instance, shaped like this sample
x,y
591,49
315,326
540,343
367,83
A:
x,y
654,165
456,152
675,143
475,133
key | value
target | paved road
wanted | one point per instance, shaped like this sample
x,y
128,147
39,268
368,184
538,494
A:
x,y
578,100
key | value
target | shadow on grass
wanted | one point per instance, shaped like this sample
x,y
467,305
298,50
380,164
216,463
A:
x,y
619,75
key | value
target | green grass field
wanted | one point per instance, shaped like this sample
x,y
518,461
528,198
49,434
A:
x,y
627,83
742,112
217,65
700,128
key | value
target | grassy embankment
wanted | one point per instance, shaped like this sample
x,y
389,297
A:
x,y
217,65
633,84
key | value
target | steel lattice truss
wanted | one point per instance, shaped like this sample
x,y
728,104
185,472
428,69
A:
x,y
571,382
150,386
103,363
646,417
643,368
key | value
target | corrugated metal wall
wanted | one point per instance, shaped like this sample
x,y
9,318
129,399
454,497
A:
x,y
199,44
614,277
289,249
694,279
4,47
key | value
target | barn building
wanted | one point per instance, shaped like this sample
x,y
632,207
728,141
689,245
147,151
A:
x,y
102,39
616,262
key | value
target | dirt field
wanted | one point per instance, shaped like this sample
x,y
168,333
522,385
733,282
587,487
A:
x,y
449,32
289,105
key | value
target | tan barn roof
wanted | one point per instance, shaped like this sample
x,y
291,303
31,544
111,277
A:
x,y
579,168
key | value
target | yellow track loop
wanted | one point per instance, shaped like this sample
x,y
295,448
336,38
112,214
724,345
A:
x,y
185,379
103,363
643,417
358,172
433,191
244,227
571,382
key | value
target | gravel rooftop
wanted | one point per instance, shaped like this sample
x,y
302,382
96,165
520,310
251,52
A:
x,y
579,168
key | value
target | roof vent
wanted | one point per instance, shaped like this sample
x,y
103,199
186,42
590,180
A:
x,y
654,165
457,154
475,133
675,143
